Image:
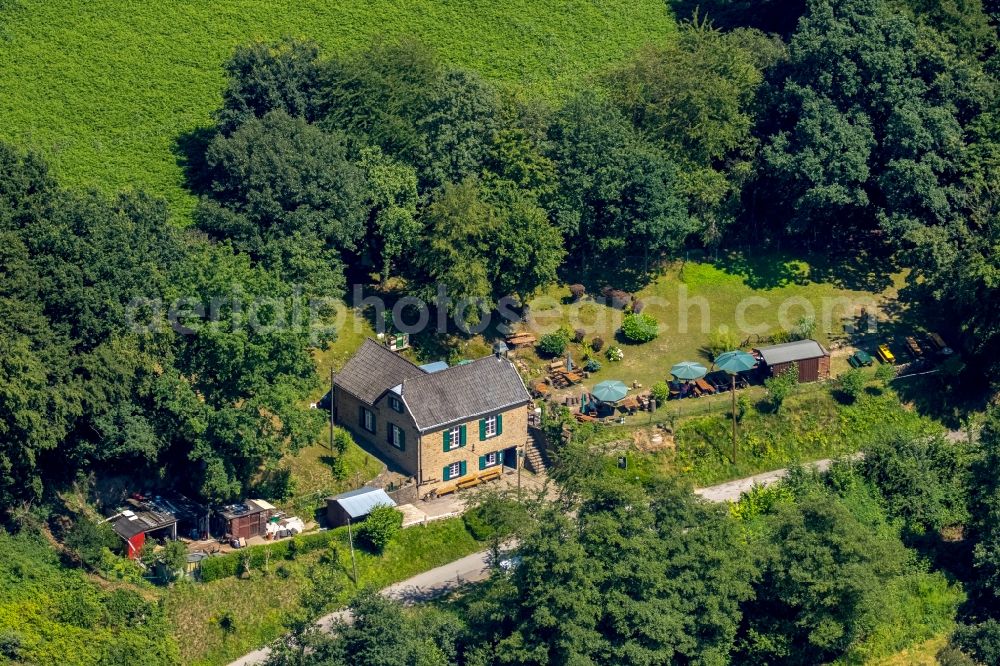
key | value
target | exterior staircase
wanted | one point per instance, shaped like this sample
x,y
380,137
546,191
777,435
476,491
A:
x,y
536,458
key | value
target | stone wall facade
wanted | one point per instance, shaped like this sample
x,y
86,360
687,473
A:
x,y
424,456
435,458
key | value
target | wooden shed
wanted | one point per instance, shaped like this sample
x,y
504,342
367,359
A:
x,y
812,359
245,520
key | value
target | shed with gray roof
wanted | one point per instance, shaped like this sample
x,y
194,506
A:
x,y
355,505
810,357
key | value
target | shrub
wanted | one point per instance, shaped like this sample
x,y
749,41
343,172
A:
x,y
223,566
87,540
618,299
852,383
885,373
779,388
804,328
597,344
615,353
578,335
380,527
638,306
592,365
722,340
660,392
578,291
553,344
639,328
10,644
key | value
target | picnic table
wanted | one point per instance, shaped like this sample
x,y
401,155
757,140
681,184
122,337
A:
x,y
631,403
521,340
704,386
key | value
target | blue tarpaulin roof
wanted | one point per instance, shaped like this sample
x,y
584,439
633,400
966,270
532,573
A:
x,y
436,366
359,503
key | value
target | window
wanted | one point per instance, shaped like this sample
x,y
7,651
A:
x,y
396,404
368,419
454,438
491,426
490,460
397,437
453,471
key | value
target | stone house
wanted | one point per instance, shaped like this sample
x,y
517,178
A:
x,y
441,426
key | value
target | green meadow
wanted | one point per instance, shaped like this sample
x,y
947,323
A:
x,y
105,88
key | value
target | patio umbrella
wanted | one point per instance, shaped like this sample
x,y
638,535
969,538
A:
x,y
735,362
688,370
610,391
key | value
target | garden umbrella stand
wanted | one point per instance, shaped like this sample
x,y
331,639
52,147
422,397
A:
x,y
735,362
610,391
688,370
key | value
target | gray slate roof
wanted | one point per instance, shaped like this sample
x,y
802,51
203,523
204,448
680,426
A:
x,y
799,350
373,370
464,392
459,393
360,502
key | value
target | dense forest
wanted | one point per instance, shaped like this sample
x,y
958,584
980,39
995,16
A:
x,y
837,567
864,130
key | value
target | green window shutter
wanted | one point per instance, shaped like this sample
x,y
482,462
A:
x,y
482,463
402,439
447,440
445,475
461,438
461,468
388,434
361,416
499,424
482,429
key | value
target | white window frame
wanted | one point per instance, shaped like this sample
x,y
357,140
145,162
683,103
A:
x,y
491,426
455,438
398,438
497,458
369,416
454,470
396,404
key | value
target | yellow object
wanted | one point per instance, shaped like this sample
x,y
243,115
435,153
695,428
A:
x,y
885,354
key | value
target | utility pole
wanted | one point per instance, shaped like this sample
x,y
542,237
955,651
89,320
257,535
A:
x,y
331,408
520,464
733,391
350,540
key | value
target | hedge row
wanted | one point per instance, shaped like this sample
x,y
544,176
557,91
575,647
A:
x,y
223,566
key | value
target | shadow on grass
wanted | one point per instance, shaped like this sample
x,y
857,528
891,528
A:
x,y
860,269
189,150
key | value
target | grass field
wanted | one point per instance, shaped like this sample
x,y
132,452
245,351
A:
x,y
259,605
694,300
105,88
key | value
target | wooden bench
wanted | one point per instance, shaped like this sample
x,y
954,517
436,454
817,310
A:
x,y
446,490
491,474
468,483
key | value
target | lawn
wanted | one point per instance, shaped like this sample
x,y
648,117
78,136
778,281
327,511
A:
x,y
258,605
694,300
105,89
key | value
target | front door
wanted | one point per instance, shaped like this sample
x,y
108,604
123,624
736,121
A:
x,y
510,457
